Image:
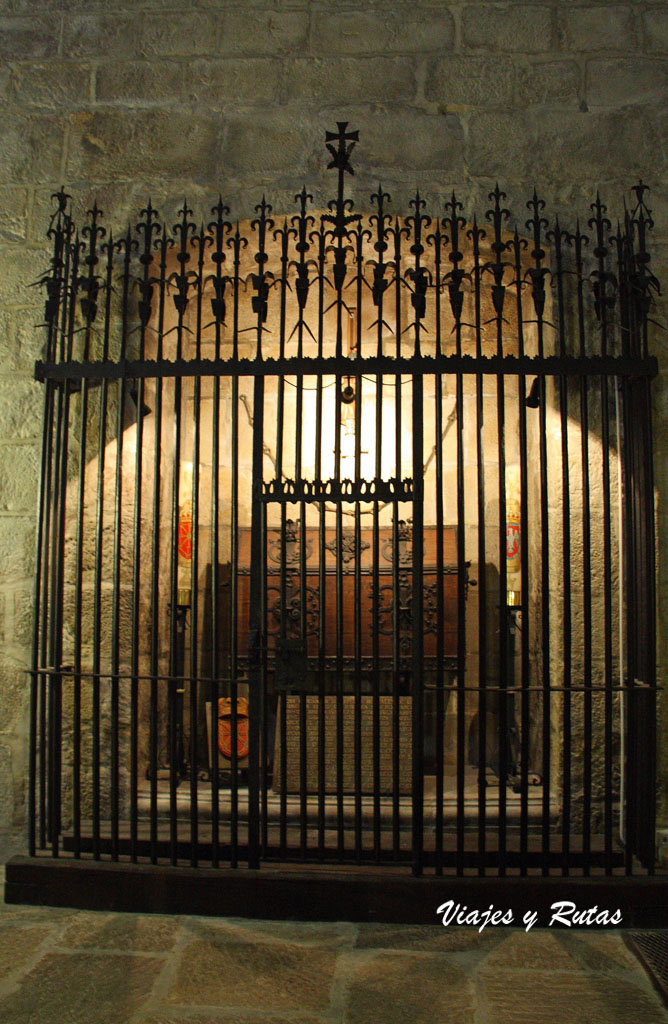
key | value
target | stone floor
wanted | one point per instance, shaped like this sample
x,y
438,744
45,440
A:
x,y
67,966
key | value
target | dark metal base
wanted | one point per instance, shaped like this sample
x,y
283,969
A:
x,y
390,895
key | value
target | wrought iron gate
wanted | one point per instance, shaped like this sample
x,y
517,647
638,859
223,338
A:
x,y
345,545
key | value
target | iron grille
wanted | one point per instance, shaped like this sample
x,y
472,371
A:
x,y
345,545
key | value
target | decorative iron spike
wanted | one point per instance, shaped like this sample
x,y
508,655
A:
x,y
218,230
537,274
602,224
497,215
453,224
536,224
643,282
183,229
89,283
301,224
381,221
603,300
261,224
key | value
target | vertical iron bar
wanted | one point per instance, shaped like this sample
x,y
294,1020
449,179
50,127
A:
x,y
56,286
579,240
558,236
420,278
202,241
322,551
417,613
604,300
145,229
477,234
396,622
114,682
382,220
518,244
436,240
257,617
155,565
455,224
219,229
537,275
88,305
497,216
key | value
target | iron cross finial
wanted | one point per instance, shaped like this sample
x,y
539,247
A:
x,y
341,156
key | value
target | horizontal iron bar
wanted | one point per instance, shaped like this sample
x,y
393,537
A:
x,y
68,671
588,366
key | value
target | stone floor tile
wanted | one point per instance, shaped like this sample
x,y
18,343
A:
x,y
185,1015
534,950
14,913
567,997
423,938
401,989
130,932
17,946
81,989
273,976
303,933
598,951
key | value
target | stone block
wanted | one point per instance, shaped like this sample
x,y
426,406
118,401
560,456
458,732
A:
x,y
380,30
414,142
59,84
20,409
219,83
101,35
494,82
422,990
142,143
619,82
19,473
655,30
6,790
29,339
456,81
21,620
570,147
14,695
348,80
22,269
26,38
607,27
175,33
518,28
13,213
266,145
270,32
17,543
550,83
99,989
271,976
142,82
386,746
30,148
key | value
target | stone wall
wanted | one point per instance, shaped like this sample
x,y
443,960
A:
x,y
123,100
